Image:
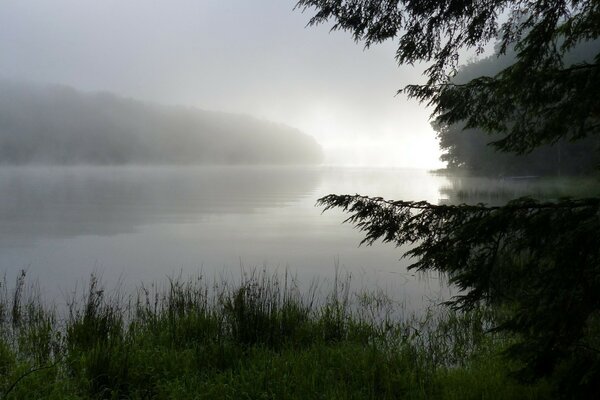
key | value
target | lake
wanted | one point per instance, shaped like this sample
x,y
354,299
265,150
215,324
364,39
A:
x,y
143,224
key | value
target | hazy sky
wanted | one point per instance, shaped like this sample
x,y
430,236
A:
x,y
253,57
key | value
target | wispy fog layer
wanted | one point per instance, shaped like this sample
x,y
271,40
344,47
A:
x,y
251,57
60,126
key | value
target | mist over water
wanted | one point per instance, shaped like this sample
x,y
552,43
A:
x,y
135,139
140,141
57,125
94,183
143,224
253,58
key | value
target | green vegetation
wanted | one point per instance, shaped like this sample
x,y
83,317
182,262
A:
x,y
539,262
259,339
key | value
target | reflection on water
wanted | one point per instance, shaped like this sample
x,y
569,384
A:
x,y
38,203
142,224
497,191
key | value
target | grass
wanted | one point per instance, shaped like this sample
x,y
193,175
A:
x,y
258,339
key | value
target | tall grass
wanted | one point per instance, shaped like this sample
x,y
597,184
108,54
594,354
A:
x,y
259,338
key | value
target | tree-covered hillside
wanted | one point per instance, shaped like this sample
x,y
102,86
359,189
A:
x,y
475,150
59,125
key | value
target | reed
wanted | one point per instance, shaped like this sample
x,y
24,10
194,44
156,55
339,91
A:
x,y
261,337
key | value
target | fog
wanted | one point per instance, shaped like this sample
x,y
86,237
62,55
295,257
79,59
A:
x,y
57,125
41,204
255,58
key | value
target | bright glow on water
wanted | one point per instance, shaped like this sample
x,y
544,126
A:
x,y
142,224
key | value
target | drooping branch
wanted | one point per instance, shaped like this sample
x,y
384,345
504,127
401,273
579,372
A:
x,y
470,242
538,100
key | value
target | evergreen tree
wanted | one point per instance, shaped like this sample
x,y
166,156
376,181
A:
x,y
540,262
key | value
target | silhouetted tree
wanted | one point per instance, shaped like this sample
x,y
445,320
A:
x,y
538,261
469,148
534,100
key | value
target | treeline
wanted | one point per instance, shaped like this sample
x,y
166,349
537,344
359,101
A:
x,y
59,125
473,149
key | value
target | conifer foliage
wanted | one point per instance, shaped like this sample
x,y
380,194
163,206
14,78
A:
x,y
473,242
539,263
538,99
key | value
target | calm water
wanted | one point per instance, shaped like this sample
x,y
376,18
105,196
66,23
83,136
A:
x,y
143,224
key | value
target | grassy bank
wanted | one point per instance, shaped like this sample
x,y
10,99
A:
x,y
258,339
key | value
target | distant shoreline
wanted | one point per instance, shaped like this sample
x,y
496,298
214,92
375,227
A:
x,y
58,125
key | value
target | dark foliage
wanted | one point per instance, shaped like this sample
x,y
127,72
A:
x,y
540,262
470,149
535,100
536,261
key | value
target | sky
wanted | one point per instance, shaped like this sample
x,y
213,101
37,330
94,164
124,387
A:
x,y
251,57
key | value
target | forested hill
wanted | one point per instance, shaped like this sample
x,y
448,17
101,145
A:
x,y
59,125
473,150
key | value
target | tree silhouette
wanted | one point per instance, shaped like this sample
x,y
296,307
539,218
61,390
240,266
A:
x,y
537,99
469,148
538,262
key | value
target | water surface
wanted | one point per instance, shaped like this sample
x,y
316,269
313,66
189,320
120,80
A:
x,y
143,224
